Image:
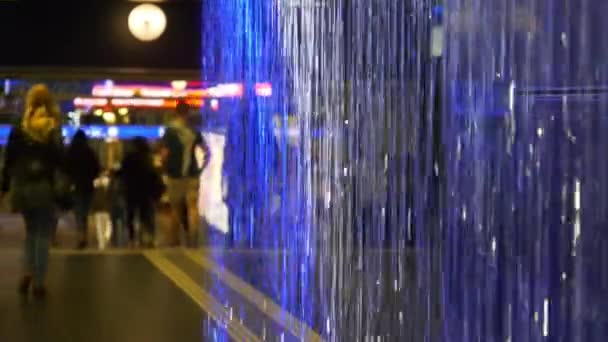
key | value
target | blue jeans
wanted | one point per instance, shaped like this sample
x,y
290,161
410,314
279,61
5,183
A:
x,y
39,225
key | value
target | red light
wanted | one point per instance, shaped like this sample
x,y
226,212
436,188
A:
x,y
193,84
134,102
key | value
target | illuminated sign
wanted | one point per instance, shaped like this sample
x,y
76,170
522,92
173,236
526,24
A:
x,y
134,102
117,132
90,102
178,89
135,90
101,132
138,102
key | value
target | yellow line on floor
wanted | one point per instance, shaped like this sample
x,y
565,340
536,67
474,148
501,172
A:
x,y
207,302
264,304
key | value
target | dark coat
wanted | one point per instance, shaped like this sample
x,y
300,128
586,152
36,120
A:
x,y
142,182
82,166
32,170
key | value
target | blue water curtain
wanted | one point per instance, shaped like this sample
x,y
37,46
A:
x,y
362,74
358,191
242,43
457,198
238,39
524,245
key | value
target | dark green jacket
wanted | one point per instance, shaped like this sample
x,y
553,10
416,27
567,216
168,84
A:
x,y
31,170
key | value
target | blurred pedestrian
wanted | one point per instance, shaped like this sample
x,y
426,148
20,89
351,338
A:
x,y
178,151
143,187
32,173
118,205
83,168
101,209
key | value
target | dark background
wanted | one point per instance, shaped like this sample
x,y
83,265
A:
x,y
94,34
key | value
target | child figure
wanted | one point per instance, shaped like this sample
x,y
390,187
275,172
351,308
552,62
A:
x,y
101,210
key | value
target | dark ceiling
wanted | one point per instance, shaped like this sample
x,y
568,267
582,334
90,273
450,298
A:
x,y
94,34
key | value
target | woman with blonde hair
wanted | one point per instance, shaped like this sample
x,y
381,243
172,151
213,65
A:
x,y
33,160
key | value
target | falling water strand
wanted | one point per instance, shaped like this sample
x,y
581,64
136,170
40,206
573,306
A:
x,y
525,97
427,197
355,78
358,74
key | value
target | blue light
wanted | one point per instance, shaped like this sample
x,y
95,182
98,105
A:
x,y
126,132
119,132
101,132
7,86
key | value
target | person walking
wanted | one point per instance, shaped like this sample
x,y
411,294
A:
x,y
83,168
118,206
32,172
143,188
101,209
179,144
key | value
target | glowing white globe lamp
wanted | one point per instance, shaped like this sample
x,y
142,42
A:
x,y
179,85
147,22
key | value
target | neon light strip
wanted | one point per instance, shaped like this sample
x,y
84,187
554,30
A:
x,y
134,102
101,131
218,91
118,132
226,90
172,103
138,102
132,131
119,91
90,102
